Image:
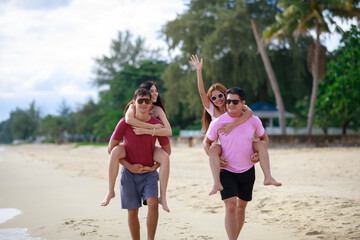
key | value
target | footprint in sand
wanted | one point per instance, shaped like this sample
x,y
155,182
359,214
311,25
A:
x,y
313,233
86,227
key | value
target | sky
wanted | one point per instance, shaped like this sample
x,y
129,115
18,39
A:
x,y
48,47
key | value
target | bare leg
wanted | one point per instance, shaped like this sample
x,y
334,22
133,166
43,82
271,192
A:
x,y
152,217
231,220
117,153
134,224
261,148
162,157
240,214
214,158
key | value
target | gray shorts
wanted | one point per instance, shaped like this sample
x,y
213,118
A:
x,y
135,188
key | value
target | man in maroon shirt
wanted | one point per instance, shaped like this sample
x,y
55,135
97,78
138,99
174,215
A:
x,y
139,177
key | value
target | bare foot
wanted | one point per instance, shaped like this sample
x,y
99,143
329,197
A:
x,y
107,198
216,188
271,181
163,202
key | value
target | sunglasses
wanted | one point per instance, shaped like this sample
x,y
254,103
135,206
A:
x,y
235,102
213,98
141,100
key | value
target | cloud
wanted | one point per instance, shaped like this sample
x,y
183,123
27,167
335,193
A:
x,y
48,47
40,4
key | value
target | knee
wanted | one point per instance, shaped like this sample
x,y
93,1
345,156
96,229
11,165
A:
x,y
118,152
231,207
152,203
240,210
162,157
215,150
258,145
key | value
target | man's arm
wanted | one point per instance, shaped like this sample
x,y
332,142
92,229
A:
x,y
167,148
112,144
207,144
265,138
135,168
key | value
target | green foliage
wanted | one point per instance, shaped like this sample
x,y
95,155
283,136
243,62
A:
x,y
54,127
118,76
85,118
338,101
298,18
5,132
220,33
23,123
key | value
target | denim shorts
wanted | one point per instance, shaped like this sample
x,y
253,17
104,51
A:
x,y
136,188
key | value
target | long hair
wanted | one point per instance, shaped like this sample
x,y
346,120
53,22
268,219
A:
x,y
147,85
159,102
206,118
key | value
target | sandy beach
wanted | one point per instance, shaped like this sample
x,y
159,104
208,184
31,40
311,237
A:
x,y
58,189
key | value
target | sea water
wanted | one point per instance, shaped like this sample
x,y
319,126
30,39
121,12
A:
x,y
12,233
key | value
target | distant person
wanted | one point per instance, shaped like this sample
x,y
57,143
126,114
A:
x,y
139,179
214,106
157,109
237,178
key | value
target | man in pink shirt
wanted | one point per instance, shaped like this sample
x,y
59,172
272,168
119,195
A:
x,y
237,178
139,180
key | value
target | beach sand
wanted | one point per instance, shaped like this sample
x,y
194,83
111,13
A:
x,y
59,188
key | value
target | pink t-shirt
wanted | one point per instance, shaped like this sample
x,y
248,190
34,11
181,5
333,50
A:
x,y
237,145
139,148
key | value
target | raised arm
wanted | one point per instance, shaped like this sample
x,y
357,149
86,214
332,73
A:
x,y
198,66
228,127
131,120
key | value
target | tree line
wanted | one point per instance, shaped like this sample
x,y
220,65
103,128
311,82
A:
x,y
222,33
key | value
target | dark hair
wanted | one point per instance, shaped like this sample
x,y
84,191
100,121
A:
x,y
138,92
238,91
147,85
141,92
206,118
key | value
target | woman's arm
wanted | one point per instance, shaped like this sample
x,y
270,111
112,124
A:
x,y
131,120
228,127
198,66
164,131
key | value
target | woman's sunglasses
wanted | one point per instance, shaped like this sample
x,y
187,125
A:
x,y
235,102
213,98
141,100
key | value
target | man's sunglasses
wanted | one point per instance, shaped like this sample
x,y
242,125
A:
x,y
213,98
141,100
235,102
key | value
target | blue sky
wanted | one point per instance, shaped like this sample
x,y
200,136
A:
x,y
47,47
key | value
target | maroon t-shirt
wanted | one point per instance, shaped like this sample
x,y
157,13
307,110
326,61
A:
x,y
139,148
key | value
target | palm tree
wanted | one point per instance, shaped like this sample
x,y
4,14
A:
x,y
303,16
271,76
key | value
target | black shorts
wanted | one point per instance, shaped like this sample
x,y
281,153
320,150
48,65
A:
x,y
237,184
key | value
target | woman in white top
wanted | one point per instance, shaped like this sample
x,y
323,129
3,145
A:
x,y
214,106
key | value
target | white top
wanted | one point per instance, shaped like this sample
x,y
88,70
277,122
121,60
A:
x,y
210,110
